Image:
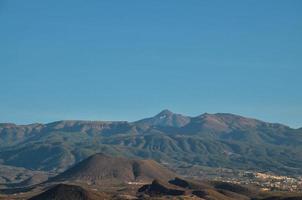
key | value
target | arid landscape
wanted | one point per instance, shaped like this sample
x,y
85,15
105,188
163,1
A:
x,y
166,156
105,177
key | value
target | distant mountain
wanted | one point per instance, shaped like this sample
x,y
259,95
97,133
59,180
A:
x,y
11,134
215,140
165,118
16,176
104,169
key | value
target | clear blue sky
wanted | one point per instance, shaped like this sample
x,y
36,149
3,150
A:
x,y
129,59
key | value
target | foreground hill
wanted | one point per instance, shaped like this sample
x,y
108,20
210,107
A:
x,y
106,177
67,192
181,188
215,140
103,169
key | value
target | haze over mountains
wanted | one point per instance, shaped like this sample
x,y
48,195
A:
x,y
215,140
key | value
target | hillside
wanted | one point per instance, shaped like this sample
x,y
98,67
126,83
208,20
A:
x,y
185,188
102,169
67,192
17,176
214,140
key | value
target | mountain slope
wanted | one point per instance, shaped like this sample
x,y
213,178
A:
x,y
215,140
100,169
16,176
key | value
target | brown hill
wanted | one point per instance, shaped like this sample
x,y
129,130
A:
x,y
235,188
188,188
103,169
185,189
66,192
158,188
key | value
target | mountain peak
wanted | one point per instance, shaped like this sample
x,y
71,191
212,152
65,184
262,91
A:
x,y
165,112
166,118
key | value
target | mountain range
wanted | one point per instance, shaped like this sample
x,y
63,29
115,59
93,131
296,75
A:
x,y
214,140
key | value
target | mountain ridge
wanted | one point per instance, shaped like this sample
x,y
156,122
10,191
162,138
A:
x,y
215,140
163,112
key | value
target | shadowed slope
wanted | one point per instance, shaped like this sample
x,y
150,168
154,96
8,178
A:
x,y
157,188
65,192
184,188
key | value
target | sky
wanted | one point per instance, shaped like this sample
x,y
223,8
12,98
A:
x,y
126,60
